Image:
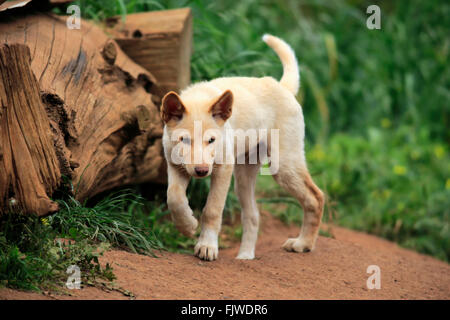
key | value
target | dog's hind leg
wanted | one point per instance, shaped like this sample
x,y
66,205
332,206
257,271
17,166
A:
x,y
295,178
244,184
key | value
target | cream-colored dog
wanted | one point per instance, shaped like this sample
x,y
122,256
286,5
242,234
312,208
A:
x,y
246,104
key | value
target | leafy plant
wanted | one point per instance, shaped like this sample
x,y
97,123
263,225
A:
x,y
111,220
33,257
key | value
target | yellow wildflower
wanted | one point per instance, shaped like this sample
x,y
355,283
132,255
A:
x,y
439,151
399,170
317,153
45,221
386,123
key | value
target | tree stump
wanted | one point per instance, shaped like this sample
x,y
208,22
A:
x,y
160,41
73,106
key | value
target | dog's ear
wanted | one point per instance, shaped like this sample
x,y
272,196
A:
x,y
172,108
221,109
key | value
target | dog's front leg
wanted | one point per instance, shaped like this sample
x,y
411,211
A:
x,y
207,246
178,203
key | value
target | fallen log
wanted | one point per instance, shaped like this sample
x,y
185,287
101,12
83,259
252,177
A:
x,y
73,107
159,41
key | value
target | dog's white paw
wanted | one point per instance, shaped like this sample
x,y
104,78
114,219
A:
x,y
207,247
298,245
206,252
246,256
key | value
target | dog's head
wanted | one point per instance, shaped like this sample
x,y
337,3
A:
x,y
195,131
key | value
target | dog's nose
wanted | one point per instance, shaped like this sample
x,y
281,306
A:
x,y
201,171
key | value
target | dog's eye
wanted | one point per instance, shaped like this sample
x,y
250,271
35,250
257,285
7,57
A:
x,y
185,140
211,140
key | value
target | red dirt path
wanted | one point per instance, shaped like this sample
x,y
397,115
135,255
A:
x,y
335,270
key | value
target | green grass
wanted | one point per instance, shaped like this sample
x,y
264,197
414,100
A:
x,y
399,186
124,219
33,257
116,219
36,252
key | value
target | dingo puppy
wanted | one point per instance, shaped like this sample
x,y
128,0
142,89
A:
x,y
239,103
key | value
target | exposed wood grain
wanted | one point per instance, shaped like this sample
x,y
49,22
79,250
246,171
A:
x,y
28,163
160,41
100,108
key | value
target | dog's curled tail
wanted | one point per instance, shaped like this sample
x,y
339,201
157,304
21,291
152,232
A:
x,y
291,74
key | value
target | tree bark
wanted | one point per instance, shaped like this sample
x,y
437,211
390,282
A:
x,y
73,106
160,41
28,163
